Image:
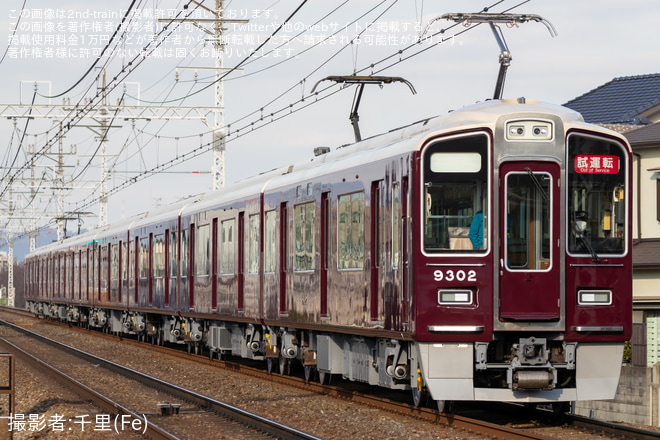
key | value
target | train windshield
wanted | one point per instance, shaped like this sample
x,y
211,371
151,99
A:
x,y
456,195
596,196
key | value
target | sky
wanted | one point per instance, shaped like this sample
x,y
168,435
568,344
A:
x,y
271,117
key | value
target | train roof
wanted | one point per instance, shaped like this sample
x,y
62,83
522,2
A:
x,y
401,140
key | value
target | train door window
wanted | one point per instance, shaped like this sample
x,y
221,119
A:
x,y
396,224
84,274
202,250
124,262
159,255
253,240
350,231
455,194
104,270
76,273
173,269
71,275
596,196
184,254
143,265
270,246
528,204
131,262
93,267
227,247
304,237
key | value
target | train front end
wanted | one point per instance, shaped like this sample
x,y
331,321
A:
x,y
522,268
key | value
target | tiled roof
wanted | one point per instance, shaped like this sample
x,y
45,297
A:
x,y
646,136
619,101
646,254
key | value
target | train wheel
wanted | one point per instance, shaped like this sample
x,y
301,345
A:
x,y
561,407
309,372
445,406
419,397
285,366
324,378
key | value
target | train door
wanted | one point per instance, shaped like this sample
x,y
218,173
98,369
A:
x,y
284,256
241,262
529,266
214,264
325,245
375,247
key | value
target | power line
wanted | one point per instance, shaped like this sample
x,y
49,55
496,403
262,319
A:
x,y
13,34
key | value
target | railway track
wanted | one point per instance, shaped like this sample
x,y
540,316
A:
x,y
467,424
227,418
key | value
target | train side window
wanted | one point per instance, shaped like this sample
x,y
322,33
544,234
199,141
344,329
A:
x,y
143,268
159,255
202,250
114,263
350,231
104,266
253,251
596,196
270,255
304,236
227,247
455,194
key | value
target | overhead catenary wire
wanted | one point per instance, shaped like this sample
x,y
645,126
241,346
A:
x,y
288,110
79,112
13,34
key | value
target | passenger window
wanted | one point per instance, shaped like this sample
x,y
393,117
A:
x,y
455,197
270,257
227,248
350,231
203,252
144,258
253,262
304,240
159,255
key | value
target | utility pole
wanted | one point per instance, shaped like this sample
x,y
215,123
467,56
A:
x,y
218,129
56,162
218,171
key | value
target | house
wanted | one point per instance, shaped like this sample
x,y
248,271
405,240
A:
x,y
621,104
631,105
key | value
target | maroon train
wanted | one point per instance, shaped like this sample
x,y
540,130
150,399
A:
x,y
482,255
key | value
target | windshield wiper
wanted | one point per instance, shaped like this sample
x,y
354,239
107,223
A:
x,y
538,185
579,233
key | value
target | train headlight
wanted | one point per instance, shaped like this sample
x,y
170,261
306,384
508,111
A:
x,y
529,130
595,297
454,296
516,131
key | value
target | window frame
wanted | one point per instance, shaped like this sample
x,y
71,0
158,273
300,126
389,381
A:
x,y
487,198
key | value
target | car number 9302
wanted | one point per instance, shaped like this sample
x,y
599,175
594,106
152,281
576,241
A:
x,y
455,275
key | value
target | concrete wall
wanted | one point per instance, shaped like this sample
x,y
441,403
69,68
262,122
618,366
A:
x,y
637,399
